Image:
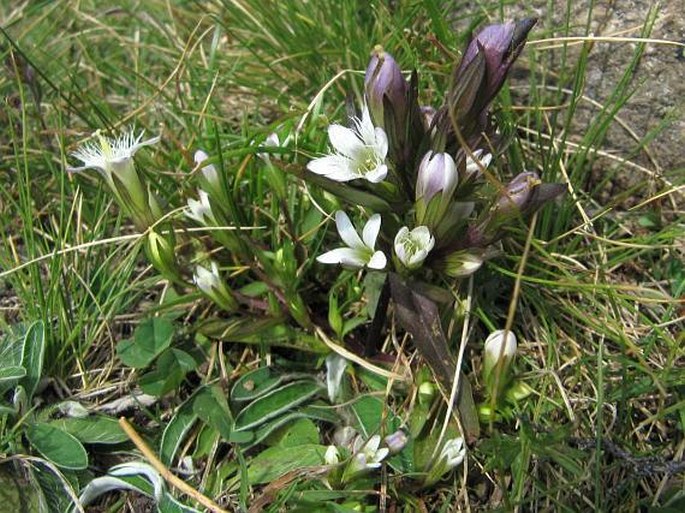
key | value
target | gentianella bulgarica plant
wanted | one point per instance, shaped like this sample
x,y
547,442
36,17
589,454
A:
x,y
426,179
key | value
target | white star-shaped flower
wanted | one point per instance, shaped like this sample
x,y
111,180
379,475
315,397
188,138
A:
x,y
359,252
359,153
370,456
109,155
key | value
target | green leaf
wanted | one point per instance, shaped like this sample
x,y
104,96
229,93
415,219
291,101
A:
x,y
323,413
32,358
170,370
95,429
370,411
58,446
151,338
274,462
301,431
175,432
254,384
275,403
16,494
211,406
13,373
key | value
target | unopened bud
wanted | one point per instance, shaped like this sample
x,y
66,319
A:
x,y
500,350
384,79
462,263
396,441
517,193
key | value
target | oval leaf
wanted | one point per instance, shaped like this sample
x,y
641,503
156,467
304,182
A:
x,y
96,429
12,373
276,402
58,446
175,432
254,384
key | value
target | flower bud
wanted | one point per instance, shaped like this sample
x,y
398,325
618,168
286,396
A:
x,y
161,252
335,368
384,79
211,285
451,455
517,193
462,263
437,174
332,455
412,247
500,350
396,441
427,392
209,172
500,45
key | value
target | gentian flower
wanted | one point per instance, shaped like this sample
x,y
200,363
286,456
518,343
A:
x,y
210,283
359,252
359,153
472,167
200,210
412,247
208,171
367,456
437,174
384,79
113,159
500,350
451,455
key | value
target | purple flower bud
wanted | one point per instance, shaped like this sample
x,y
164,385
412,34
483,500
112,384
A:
x,y
518,193
500,45
384,79
437,172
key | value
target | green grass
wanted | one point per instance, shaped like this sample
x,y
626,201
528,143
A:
x,y
599,311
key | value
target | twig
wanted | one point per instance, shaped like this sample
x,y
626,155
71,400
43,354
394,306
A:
x,y
176,482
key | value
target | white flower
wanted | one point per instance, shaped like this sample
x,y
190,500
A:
x,y
494,343
359,153
110,155
453,452
331,456
497,347
335,367
200,210
207,280
209,171
359,251
210,283
370,456
412,247
471,165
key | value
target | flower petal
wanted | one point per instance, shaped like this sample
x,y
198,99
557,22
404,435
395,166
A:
x,y
344,140
371,229
378,174
381,142
347,232
138,145
335,167
345,256
378,261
